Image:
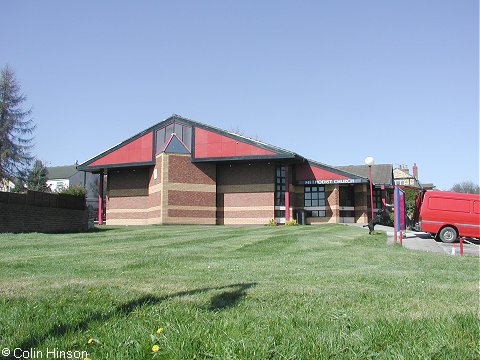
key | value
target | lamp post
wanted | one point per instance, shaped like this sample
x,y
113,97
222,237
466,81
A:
x,y
370,161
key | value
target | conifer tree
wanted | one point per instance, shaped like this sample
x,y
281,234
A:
x,y
16,127
37,177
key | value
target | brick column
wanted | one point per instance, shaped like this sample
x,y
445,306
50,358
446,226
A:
x,y
100,200
333,202
361,203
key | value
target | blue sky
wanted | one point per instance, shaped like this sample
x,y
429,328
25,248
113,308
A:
x,y
334,81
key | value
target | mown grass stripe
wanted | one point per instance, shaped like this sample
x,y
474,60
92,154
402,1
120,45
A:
x,y
241,293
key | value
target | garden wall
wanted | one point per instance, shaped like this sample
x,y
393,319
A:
x,y
42,212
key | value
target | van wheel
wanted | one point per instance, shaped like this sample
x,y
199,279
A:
x,y
448,234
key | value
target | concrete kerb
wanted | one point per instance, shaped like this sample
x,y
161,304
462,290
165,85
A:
x,y
414,240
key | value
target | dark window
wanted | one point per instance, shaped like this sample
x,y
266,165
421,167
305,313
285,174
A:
x,y
169,131
187,137
178,130
347,213
347,196
279,213
377,199
160,139
316,213
280,186
314,196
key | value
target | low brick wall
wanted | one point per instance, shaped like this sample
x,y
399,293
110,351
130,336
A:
x,y
42,212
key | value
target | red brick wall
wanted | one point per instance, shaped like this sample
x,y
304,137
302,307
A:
x,y
128,182
244,199
208,214
182,170
134,197
183,192
131,210
245,193
130,202
203,193
155,199
244,173
190,191
187,198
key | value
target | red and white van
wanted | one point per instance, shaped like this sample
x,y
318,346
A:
x,y
448,215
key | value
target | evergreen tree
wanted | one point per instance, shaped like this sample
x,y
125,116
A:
x,y
19,185
37,177
16,127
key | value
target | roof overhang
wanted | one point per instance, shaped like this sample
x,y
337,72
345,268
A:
x,y
315,173
100,168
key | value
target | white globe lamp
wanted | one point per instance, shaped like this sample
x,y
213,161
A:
x,y
369,160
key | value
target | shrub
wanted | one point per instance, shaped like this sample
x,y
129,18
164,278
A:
x,y
390,220
77,190
272,222
291,222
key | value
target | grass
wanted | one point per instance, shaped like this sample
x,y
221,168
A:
x,y
305,292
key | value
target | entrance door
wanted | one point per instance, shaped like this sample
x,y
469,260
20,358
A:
x,y
347,203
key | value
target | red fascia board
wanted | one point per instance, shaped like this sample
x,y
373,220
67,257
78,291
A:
x,y
244,158
209,144
137,151
99,168
311,172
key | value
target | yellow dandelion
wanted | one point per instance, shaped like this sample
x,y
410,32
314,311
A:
x,y
159,330
91,341
155,348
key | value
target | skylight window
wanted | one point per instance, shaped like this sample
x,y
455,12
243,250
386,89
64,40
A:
x,y
181,131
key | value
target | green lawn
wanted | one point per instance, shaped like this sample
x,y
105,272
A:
x,y
304,292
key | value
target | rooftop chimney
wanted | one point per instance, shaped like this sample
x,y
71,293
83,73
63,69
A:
x,y
415,171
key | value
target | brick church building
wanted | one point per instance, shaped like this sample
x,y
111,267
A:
x,y
183,172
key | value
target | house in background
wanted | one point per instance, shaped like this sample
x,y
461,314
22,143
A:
x,y
62,177
403,177
59,177
6,185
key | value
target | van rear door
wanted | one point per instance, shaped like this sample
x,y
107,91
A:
x,y
416,212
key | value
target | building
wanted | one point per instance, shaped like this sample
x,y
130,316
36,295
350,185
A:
x,y
403,177
382,179
427,186
59,177
62,177
6,185
183,172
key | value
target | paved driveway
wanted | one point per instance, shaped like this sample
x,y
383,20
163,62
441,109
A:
x,y
414,240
